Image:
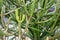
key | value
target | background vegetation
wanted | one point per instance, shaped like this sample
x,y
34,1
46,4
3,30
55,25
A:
x,y
40,19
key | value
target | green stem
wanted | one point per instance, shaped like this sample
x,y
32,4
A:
x,y
9,20
38,27
2,18
25,9
19,30
26,28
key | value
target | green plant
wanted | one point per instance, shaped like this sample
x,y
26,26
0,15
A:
x,y
35,18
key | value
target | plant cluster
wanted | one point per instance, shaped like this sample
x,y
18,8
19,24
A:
x,y
40,19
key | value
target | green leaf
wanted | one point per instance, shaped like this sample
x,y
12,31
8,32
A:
x,y
1,33
16,13
1,3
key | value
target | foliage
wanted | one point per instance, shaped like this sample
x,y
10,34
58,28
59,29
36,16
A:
x,y
39,18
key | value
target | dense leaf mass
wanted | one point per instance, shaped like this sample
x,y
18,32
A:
x,y
35,19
